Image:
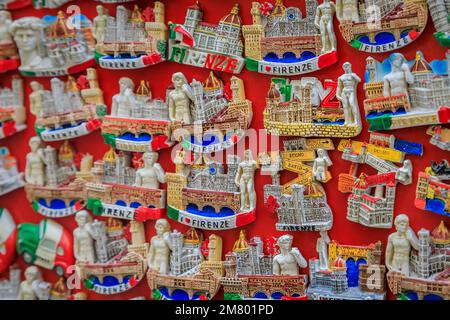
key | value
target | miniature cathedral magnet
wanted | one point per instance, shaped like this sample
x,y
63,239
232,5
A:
x,y
70,109
12,108
131,40
378,26
10,177
284,41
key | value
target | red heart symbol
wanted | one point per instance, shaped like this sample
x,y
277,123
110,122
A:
x,y
187,220
268,68
235,138
133,281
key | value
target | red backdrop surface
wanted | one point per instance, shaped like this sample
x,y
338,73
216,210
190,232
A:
x,y
256,86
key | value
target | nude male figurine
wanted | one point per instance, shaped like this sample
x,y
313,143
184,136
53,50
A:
x,y
37,99
26,290
245,179
398,80
320,166
347,94
180,99
160,248
347,10
99,24
288,261
151,174
125,101
324,22
399,246
35,164
322,249
83,242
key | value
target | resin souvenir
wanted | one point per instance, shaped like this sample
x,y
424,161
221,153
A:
x,y
14,4
47,245
70,109
8,234
212,46
184,266
378,26
259,269
12,109
284,41
138,122
308,108
210,116
403,94
34,288
440,11
433,188
440,137
10,177
54,45
345,272
127,187
206,196
372,198
418,265
110,257
9,57
132,40
55,186
300,204
9,288
49,4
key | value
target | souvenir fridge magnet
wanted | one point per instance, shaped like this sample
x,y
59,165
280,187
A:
x,y
49,4
212,46
372,197
34,288
300,204
208,196
346,272
184,266
382,25
8,234
403,94
284,41
55,185
310,108
54,45
131,40
127,187
440,137
440,11
433,188
14,4
10,177
418,264
264,269
9,57
210,116
47,245
9,287
12,109
110,257
137,122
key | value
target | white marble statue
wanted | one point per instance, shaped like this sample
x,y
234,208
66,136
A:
x,y
321,165
245,179
399,246
83,242
347,10
347,94
99,24
398,80
180,99
30,288
288,261
37,99
324,21
35,164
125,101
322,250
160,247
151,174
404,174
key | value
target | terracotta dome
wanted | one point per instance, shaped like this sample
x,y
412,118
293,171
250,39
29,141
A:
x,y
143,89
420,65
60,28
212,82
192,236
233,17
362,181
273,93
110,156
339,263
440,234
59,289
114,224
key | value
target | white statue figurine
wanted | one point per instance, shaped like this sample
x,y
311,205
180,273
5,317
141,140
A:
x,y
347,94
37,99
321,165
151,174
35,164
125,101
99,24
398,80
160,247
5,37
288,261
245,179
180,99
399,246
404,174
347,10
322,250
324,22
83,242
26,289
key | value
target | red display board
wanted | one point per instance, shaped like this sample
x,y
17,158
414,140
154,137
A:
x,y
256,87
